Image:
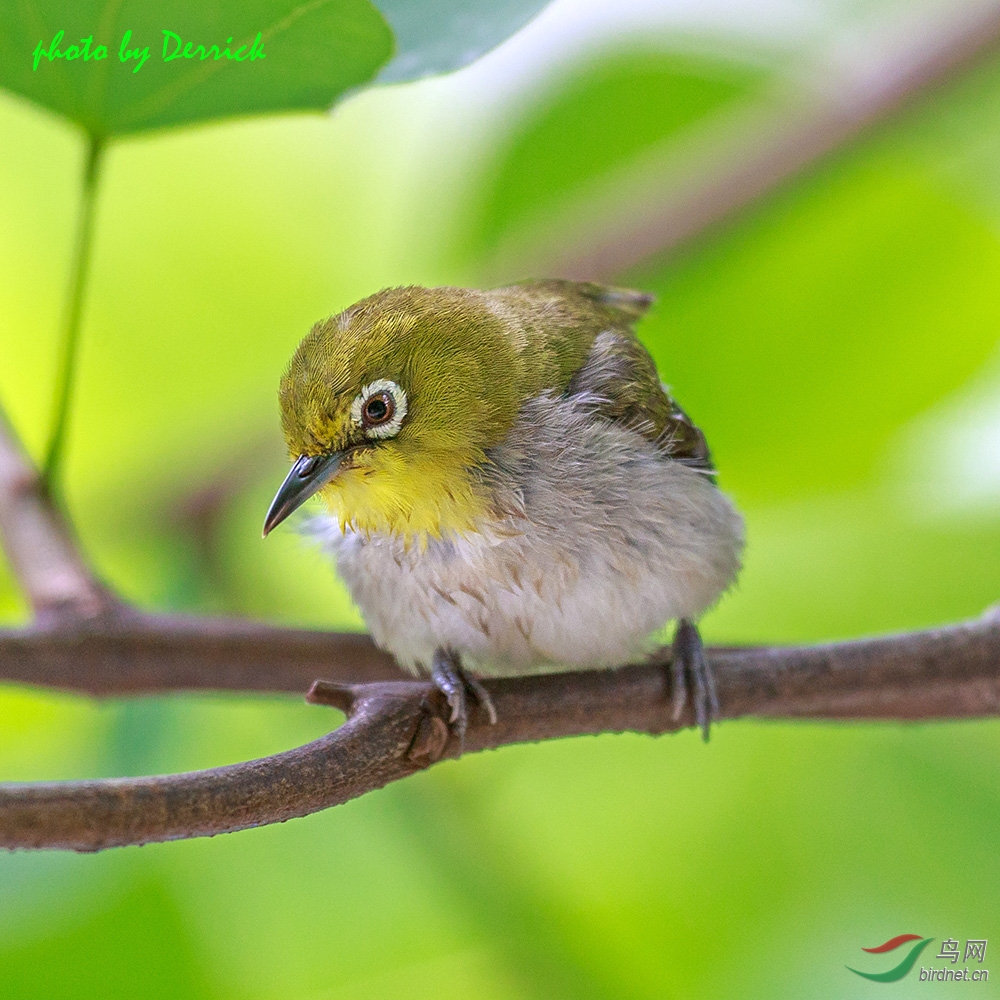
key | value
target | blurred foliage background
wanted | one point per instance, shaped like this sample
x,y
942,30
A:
x,y
838,343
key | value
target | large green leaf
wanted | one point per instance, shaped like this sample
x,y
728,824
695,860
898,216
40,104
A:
x,y
436,36
312,54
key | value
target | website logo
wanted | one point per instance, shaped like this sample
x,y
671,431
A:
x,y
900,970
975,950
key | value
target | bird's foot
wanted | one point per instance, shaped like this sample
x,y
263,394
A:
x,y
691,671
456,685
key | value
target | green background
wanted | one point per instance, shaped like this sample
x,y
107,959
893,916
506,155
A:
x,y
838,344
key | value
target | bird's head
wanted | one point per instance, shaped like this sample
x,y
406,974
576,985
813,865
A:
x,y
388,408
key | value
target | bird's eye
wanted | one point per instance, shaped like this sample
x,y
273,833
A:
x,y
379,408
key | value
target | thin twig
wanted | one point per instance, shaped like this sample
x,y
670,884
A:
x,y
395,729
735,164
41,546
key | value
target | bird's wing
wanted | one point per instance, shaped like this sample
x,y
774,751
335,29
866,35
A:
x,y
619,379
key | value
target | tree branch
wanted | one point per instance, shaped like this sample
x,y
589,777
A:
x,y
395,729
729,168
41,547
135,653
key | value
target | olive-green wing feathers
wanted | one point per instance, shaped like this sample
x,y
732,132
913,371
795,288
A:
x,y
619,377
584,321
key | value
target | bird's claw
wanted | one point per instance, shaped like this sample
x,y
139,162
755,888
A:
x,y
690,669
456,685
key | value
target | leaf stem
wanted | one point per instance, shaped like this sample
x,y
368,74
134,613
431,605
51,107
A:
x,y
79,270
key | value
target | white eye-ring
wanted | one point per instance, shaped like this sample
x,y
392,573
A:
x,y
379,408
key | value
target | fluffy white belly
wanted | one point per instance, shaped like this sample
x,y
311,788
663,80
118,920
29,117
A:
x,y
607,541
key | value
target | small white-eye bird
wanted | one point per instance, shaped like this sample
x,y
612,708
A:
x,y
511,488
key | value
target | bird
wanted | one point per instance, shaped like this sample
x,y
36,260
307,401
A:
x,y
510,488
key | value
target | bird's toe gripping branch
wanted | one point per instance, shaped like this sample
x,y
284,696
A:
x,y
456,685
692,677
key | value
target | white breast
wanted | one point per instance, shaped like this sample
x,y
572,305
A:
x,y
607,541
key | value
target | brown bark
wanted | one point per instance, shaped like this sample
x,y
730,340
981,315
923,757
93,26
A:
x,y
396,728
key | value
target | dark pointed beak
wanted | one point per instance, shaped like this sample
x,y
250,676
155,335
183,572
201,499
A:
x,y
309,474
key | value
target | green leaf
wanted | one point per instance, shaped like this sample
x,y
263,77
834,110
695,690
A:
x,y
438,36
133,73
805,336
604,117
